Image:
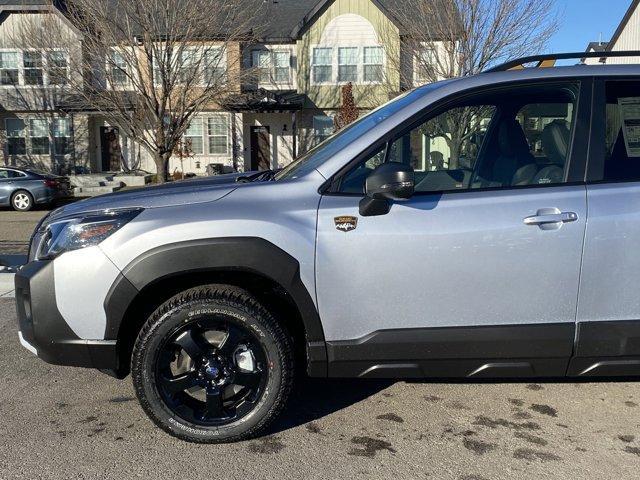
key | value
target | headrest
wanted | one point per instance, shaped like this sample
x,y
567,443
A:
x,y
511,138
555,141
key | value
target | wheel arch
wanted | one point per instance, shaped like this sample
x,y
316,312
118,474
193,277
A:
x,y
260,267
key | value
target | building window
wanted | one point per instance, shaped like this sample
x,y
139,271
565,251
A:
x,y
426,61
218,133
61,136
215,66
372,64
33,71
58,67
348,64
262,63
215,137
193,136
272,67
351,64
118,69
16,136
9,71
33,68
322,128
281,67
38,136
322,65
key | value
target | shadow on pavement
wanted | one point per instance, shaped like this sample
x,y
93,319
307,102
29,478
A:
x,y
314,398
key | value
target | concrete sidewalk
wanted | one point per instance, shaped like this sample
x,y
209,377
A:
x,y
7,289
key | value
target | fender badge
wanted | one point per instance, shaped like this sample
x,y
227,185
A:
x,y
346,223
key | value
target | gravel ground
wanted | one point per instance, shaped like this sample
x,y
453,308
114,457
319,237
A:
x,y
58,422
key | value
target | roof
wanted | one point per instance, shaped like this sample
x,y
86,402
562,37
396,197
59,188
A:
x,y
277,20
623,24
597,46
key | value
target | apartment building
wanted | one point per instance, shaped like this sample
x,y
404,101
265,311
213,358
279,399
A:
x,y
306,51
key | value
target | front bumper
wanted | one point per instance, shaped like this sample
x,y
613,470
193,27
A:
x,y
43,330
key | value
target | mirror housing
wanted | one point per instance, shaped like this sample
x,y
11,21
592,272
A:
x,y
388,182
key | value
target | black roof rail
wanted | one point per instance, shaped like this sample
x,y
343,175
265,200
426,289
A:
x,y
552,57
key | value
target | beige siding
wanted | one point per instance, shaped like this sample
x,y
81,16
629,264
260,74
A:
x,y
629,39
367,96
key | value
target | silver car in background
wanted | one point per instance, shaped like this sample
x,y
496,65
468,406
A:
x,y
22,189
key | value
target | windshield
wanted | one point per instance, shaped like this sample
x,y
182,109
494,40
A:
x,y
318,155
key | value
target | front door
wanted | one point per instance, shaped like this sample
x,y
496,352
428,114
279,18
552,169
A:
x,y
111,153
477,274
260,148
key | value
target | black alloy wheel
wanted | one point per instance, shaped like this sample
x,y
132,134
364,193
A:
x,y
212,365
211,372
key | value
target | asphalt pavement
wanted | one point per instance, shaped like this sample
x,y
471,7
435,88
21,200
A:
x,y
64,423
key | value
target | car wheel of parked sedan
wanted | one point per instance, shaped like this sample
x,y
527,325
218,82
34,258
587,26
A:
x,y
22,201
212,365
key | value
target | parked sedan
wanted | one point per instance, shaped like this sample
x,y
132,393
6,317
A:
x,y
22,189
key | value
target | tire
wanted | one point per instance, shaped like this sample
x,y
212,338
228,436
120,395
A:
x,y
22,201
168,355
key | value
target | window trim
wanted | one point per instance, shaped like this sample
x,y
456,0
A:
x,y
575,170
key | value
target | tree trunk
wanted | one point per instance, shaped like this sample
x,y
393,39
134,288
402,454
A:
x,y
161,160
454,151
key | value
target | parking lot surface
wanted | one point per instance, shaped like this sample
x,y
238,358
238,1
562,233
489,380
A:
x,y
63,422
16,229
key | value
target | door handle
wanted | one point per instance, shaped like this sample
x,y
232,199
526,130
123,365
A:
x,y
550,218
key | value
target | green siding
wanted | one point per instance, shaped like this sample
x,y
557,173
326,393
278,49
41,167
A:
x,y
366,96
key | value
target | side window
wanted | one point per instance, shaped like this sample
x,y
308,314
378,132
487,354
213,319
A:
x,y
444,150
516,138
4,174
622,138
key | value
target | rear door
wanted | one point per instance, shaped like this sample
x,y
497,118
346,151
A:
x,y
608,337
5,186
478,273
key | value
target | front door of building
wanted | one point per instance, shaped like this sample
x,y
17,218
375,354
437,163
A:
x,y
111,153
260,148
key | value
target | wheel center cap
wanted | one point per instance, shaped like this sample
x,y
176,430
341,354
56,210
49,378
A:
x,y
212,371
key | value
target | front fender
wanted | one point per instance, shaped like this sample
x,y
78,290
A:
x,y
249,254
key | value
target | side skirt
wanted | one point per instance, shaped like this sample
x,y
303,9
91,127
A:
x,y
607,349
504,351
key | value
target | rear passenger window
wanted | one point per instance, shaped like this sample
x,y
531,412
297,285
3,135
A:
x,y
622,138
517,138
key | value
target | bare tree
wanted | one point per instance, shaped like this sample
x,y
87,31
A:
x,y
148,66
451,38
442,39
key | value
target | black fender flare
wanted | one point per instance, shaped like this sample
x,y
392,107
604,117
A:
x,y
249,254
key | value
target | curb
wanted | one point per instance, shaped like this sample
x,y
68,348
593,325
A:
x,y
6,285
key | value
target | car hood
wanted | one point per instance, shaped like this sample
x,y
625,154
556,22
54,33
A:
x,y
182,192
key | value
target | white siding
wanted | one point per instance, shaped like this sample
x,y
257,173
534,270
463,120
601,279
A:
x,y
349,29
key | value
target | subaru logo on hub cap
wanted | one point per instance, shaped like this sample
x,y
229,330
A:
x,y
212,371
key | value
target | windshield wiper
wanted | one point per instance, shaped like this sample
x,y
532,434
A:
x,y
261,176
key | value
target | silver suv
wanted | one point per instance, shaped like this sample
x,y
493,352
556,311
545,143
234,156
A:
x,y
481,227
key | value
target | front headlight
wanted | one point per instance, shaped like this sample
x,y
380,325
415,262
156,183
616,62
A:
x,y
72,233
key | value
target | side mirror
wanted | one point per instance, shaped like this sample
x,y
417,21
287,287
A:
x,y
388,182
